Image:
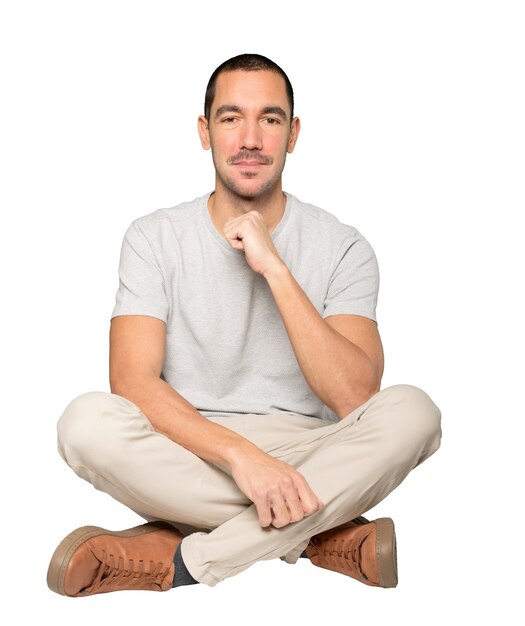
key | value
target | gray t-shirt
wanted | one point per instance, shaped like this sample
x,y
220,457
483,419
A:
x,y
227,349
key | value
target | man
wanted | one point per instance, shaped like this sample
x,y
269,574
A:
x,y
246,420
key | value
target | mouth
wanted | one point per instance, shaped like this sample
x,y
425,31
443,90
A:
x,y
249,164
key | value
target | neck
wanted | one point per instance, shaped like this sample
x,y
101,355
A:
x,y
224,204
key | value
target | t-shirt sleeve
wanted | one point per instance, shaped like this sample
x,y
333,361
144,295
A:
x,y
141,288
354,283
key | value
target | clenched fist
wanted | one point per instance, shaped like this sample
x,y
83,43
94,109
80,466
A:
x,y
280,493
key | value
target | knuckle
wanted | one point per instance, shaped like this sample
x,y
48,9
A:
x,y
258,496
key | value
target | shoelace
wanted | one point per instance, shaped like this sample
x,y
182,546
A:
x,y
349,550
112,572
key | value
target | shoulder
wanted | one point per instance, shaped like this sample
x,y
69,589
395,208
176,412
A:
x,y
153,225
325,224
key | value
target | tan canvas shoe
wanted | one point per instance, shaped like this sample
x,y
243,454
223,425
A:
x,y
361,549
95,560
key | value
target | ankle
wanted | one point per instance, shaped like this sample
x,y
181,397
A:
x,y
182,574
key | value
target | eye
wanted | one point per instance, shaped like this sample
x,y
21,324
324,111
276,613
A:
x,y
272,121
228,120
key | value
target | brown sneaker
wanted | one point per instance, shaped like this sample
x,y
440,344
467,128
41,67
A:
x,y
95,560
361,549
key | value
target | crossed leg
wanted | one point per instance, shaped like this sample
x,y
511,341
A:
x,y
351,466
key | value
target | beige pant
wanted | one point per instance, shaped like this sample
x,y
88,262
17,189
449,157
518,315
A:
x,y
350,465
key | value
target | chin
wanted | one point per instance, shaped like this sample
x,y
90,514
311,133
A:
x,y
251,190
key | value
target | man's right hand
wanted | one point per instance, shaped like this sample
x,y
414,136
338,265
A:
x,y
280,493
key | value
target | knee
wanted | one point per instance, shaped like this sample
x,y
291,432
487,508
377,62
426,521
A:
x,y
83,423
78,421
418,418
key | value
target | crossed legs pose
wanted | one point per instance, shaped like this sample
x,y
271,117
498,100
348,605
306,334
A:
x,y
202,528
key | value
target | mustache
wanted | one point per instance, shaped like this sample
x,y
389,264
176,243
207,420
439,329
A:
x,y
246,155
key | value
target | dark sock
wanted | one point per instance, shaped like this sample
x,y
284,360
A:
x,y
182,575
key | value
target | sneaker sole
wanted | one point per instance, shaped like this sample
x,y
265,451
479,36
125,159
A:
x,y
67,547
386,552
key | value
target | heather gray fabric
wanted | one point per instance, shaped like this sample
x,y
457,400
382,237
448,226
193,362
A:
x,y
227,350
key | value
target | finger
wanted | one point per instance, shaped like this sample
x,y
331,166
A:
x,y
280,510
281,514
293,502
265,513
309,501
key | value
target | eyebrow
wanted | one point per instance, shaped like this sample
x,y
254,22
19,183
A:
x,y
275,110
233,108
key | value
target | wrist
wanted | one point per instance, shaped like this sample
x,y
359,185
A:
x,y
239,452
276,272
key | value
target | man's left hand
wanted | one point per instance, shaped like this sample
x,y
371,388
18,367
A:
x,y
249,233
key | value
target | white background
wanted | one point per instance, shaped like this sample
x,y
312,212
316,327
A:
x,y
412,131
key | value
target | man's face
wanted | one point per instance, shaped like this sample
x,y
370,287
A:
x,y
249,132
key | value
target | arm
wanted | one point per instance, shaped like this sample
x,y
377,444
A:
x,y
137,346
341,357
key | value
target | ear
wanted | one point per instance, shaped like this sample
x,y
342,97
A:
x,y
204,132
294,133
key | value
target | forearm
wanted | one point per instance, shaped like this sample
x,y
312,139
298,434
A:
x,y
176,418
340,374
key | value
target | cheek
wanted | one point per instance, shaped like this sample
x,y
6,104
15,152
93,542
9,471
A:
x,y
278,144
223,144
228,146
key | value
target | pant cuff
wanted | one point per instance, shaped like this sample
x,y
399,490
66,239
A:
x,y
200,574
294,555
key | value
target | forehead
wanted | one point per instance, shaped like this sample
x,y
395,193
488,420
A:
x,y
256,89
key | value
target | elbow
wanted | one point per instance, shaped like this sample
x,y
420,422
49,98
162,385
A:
x,y
132,389
357,398
119,387
125,384
118,381
115,386
132,384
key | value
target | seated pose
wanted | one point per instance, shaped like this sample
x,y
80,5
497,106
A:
x,y
246,420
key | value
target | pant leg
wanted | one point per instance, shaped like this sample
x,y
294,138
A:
x,y
351,466
110,443
107,441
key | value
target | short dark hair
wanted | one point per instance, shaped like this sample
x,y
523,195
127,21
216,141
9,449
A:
x,y
247,63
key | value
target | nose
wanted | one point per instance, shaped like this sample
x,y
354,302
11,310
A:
x,y
251,135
